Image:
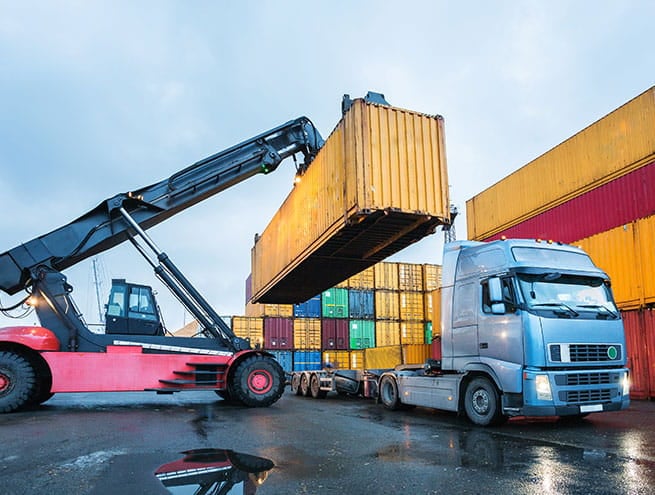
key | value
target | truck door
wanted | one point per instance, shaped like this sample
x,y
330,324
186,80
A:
x,y
499,325
465,328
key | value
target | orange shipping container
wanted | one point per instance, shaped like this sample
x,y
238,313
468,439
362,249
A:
x,y
416,353
431,277
249,328
387,333
386,275
307,333
613,146
411,306
626,253
387,305
410,276
378,184
383,357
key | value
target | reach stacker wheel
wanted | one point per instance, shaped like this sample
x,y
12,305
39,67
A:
x,y
17,382
257,381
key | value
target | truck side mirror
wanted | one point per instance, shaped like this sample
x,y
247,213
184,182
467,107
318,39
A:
x,y
496,296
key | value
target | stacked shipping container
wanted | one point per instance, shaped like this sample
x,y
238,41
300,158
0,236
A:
x,y
377,318
595,190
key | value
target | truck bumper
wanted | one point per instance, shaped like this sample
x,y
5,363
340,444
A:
x,y
571,410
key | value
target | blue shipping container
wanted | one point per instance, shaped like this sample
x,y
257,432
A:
x,y
285,358
306,360
308,309
361,304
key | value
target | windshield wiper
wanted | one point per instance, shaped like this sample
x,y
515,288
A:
x,y
598,306
559,305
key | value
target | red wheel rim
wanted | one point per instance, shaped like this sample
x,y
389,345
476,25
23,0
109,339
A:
x,y
260,381
4,382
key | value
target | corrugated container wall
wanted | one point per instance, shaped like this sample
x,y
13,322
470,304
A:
x,y
411,306
334,303
278,333
283,310
383,357
412,332
431,277
362,280
285,358
362,334
307,333
626,253
309,309
251,328
334,334
387,304
640,341
410,277
378,184
306,360
416,353
386,276
361,304
387,332
615,145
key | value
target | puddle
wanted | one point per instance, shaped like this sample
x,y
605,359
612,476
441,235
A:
x,y
215,471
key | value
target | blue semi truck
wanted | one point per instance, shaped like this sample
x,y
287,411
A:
x,y
528,328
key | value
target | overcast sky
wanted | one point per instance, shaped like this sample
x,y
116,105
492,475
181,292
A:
x,y
99,98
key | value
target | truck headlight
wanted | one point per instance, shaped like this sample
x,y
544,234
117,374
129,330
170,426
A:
x,y
625,382
543,387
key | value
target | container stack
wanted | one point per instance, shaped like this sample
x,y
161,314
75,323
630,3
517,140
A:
x,y
378,318
595,190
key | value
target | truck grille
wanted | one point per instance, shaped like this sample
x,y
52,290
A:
x,y
582,353
582,396
573,379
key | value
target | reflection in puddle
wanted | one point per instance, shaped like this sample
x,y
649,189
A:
x,y
214,471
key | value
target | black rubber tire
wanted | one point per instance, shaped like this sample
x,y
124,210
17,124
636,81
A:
x,y
17,382
482,403
388,390
257,381
295,384
315,387
42,385
304,385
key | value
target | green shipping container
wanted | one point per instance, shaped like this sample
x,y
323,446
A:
x,y
428,332
362,334
334,303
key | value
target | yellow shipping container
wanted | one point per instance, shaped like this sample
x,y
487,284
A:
x,y
387,305
412,332
283,310
626,253
431,277
251,328
386,276
307,333
383,357
427,306
387,332
435,295
613,146
410,276
378,184
411,306
416,353
344,360
363,280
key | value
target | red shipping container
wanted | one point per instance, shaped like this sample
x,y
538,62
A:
x,y
640,342
334,334
278,333
618,202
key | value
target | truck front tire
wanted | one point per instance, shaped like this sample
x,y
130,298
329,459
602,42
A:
x,y
258,381
17,382
482,402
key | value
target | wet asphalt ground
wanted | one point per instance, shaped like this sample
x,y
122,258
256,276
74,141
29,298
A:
x,y
135,444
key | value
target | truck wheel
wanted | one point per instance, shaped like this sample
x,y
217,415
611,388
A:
x,y
389,393
258,381
304,385
482,402
17,382
315,388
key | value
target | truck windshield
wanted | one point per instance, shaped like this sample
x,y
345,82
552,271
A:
x,y
568,296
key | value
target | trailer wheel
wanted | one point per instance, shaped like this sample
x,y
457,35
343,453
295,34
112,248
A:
x,y
315,388
482,402
389,393
304,385
17,382
295,384
258,381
